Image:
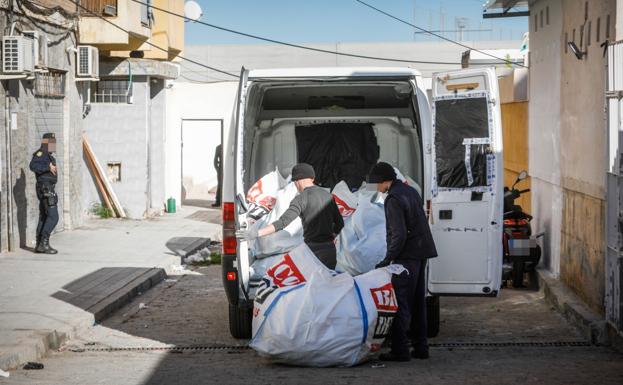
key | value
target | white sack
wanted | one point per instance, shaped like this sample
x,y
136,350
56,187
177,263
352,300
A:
x,y
281,241
262,196
345,199
305,315
362,242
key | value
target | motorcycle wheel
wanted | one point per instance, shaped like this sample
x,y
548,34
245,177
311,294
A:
x,y
518,272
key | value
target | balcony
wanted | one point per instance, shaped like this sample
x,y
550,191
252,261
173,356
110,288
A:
x,y
99,7
98,32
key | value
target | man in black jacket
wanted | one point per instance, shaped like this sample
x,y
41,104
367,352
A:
x,y
410,244
321,218
218,166
43,165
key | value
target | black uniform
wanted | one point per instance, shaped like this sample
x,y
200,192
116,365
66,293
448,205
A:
x,y
48,200
409,243
218,165
321,219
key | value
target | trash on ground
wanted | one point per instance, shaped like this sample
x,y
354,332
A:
x,y
201,256
377,365
142,306
4,374
306,314
33,366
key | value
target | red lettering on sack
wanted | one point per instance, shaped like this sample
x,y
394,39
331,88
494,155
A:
x,y
256,195
385,298
285,273
255,191
256,311
345,210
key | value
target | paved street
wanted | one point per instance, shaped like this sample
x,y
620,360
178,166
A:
x,y
190,311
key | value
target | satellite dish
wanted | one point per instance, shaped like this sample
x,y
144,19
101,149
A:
x,y
192,11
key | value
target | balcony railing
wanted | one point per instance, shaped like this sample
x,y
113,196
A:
x,y
99,7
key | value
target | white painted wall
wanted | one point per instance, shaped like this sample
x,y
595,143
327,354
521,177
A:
x,y
199,177
193,101
544,130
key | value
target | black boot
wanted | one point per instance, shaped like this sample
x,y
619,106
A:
x,y
45,242
39,248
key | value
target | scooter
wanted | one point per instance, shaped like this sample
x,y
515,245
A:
x,y
521,251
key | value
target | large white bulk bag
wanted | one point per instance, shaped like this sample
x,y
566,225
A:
x,y
262,196
281,241
345,199
362,242
304,314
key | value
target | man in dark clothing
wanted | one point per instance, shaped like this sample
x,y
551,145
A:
x,y
321,218
410,244
218,165
43,165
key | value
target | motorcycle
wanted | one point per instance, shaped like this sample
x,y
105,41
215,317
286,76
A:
x,y
521,251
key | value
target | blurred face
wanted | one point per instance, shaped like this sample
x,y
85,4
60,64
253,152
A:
x,y
383,187
51,144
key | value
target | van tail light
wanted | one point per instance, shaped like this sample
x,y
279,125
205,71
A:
x,y
231,276
229,228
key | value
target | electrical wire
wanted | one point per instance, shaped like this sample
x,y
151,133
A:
x,y
292,44
152,44
437,35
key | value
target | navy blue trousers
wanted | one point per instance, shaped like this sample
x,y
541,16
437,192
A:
x,y
411,316
48,210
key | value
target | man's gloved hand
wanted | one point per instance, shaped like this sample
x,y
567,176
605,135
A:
x,y
247,235
383,263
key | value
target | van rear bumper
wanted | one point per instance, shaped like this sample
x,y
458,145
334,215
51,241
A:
x,y
231,287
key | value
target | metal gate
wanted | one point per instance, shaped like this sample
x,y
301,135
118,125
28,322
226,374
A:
x,y
614,187
48,117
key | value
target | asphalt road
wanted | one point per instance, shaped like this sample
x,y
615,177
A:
x,y
190,311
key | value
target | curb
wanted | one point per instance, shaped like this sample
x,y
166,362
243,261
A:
x,y
590,324
37,345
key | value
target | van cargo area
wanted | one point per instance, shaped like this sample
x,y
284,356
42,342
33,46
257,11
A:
x,y
340,128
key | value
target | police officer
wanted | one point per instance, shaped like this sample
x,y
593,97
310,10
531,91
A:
x,y
321,218
410,244
43,165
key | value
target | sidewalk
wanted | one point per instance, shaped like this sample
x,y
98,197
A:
x,y
33,320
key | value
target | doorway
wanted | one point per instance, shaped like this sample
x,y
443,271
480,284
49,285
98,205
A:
x,y
199,177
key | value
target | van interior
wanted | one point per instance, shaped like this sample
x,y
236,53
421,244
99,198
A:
x,y
341,128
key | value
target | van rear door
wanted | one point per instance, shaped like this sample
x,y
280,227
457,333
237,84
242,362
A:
x,y
242,247
467,183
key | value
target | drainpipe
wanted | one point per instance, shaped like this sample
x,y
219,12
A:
x,y
9,168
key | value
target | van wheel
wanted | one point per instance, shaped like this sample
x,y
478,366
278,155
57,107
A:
x,y
240,319
432,315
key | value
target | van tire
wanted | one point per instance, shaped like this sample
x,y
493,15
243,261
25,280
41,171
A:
x,y
432,315
240,318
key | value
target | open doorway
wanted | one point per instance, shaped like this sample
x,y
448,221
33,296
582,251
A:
x,y
200,138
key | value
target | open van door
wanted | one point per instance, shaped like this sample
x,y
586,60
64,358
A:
x,y
467,183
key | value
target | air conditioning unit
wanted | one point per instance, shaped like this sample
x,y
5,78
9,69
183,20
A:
x,y
87,65
40,48
17,55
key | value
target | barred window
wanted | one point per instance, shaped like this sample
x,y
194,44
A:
x,y
50,84
118,90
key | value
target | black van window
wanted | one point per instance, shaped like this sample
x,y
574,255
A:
x,y
461,125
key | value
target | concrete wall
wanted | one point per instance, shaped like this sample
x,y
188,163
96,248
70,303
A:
x,y
95,31
544,130
34,116
193,101
583,140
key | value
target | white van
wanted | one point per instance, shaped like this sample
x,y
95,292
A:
x,y
452,148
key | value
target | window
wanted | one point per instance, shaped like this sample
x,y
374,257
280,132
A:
x,y
50,84
147,15
598,32
547,15
114,172
118,90
461,140
536,23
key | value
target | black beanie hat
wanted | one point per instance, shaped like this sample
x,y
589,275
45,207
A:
x,y
302,171
381,172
